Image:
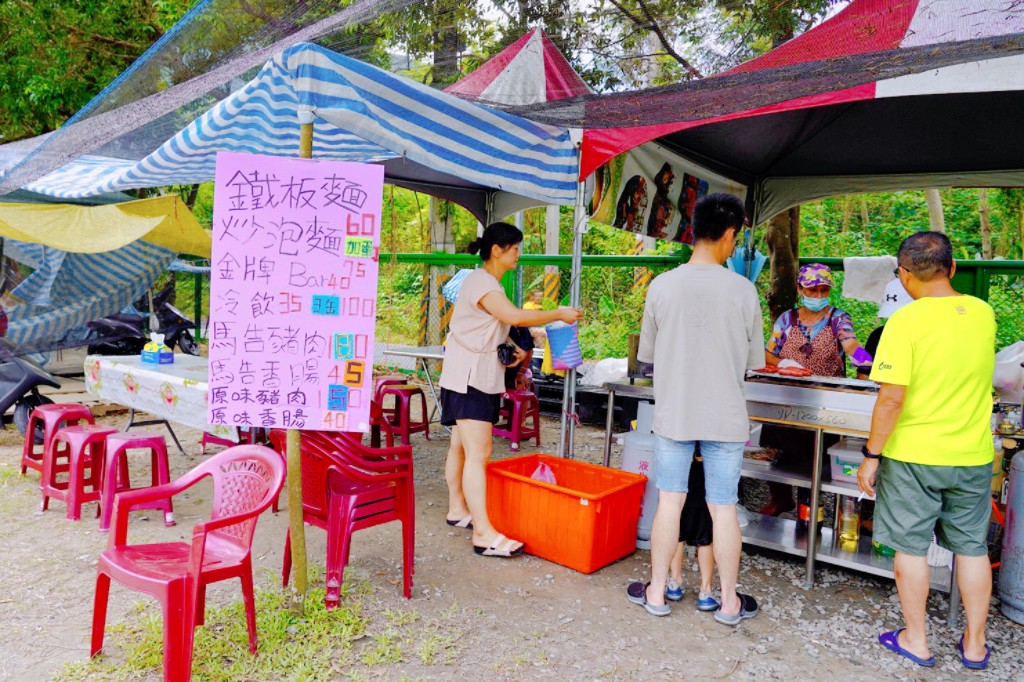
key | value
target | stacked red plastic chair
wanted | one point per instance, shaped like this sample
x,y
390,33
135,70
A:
x,y
379,424
347,487
245,480
52,417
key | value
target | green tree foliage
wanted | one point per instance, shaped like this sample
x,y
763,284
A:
x,y
835,227
55,56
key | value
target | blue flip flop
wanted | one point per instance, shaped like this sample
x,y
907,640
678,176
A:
x,y
891,641
968,663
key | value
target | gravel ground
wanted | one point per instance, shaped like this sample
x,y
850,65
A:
x,y
519,619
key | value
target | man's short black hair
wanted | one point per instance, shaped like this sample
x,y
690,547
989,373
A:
x,y
926,255
714,214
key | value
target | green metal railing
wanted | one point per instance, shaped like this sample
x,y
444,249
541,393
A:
x,y
613,291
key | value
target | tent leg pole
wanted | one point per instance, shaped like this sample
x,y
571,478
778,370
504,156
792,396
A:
x,y
579,226
294,452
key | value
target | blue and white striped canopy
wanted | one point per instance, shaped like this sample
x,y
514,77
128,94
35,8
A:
x,y
66,290
362,114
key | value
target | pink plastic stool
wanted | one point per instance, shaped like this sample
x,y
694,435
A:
x,y
84,446
400,415
53,417
517,407
382,382
115,472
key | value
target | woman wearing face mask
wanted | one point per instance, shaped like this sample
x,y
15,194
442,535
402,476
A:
x,y
816,335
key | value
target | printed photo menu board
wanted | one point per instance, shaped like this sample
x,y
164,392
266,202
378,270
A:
x,y
293,292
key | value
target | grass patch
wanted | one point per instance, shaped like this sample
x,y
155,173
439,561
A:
x,y
348,642
8,473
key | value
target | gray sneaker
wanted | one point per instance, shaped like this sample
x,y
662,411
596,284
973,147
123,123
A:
x,y
748,609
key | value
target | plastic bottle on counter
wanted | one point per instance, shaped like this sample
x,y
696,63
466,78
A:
x,y
849,523
882,550
998,475
803,511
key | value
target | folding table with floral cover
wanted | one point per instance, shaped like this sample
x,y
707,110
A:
x,y
176,392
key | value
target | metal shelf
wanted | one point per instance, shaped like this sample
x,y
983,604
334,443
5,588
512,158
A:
x,y
774,533
781,535
777,475
867,561
843,488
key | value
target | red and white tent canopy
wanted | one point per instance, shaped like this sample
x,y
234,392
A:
x,y
888,94
529,71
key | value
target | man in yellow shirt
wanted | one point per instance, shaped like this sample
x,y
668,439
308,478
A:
x,y
930,446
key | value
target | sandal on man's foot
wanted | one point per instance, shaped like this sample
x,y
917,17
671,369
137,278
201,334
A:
x,y
891,641
973,665
748,609
636,593
501,547
465,522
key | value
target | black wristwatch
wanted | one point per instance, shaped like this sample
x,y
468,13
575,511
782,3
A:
x,y
867,453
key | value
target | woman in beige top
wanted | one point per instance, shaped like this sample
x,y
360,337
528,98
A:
x,y
472,381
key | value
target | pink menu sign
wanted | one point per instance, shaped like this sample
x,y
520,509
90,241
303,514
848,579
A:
x,y
293,292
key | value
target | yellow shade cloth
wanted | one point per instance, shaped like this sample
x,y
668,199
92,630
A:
x,y
164,221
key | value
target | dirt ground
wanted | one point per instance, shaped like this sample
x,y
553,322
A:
x,y
515,619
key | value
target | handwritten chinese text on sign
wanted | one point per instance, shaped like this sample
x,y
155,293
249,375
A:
x,y
293,292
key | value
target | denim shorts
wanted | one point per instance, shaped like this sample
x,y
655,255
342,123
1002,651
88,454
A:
x,y
722,464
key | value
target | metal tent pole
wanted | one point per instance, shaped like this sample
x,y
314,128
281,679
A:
x,y
566,444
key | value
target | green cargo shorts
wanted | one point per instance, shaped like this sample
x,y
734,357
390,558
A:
x,y
913,500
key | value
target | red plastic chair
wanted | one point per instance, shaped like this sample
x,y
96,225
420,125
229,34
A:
x,y
115,471
53,417
245,480
400,415
517,407
347,487
378,424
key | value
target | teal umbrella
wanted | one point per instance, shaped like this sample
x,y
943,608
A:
x,y
747,260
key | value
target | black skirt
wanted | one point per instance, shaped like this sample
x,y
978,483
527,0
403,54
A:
x,y
474,404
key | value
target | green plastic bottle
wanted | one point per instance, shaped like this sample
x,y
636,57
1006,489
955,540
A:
x,y
882,550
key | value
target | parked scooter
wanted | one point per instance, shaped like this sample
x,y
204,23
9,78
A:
x,y
126,333
20,379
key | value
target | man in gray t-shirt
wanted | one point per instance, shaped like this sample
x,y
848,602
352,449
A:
x,y
702,329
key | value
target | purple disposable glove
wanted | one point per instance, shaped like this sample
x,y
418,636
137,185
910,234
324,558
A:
x,y
861,358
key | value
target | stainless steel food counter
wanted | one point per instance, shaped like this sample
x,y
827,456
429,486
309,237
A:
x,y
835,406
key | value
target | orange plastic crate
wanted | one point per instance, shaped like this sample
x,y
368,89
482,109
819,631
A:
x,y
585,522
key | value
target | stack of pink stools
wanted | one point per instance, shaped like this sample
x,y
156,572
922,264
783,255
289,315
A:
x,y
81,461
399,414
